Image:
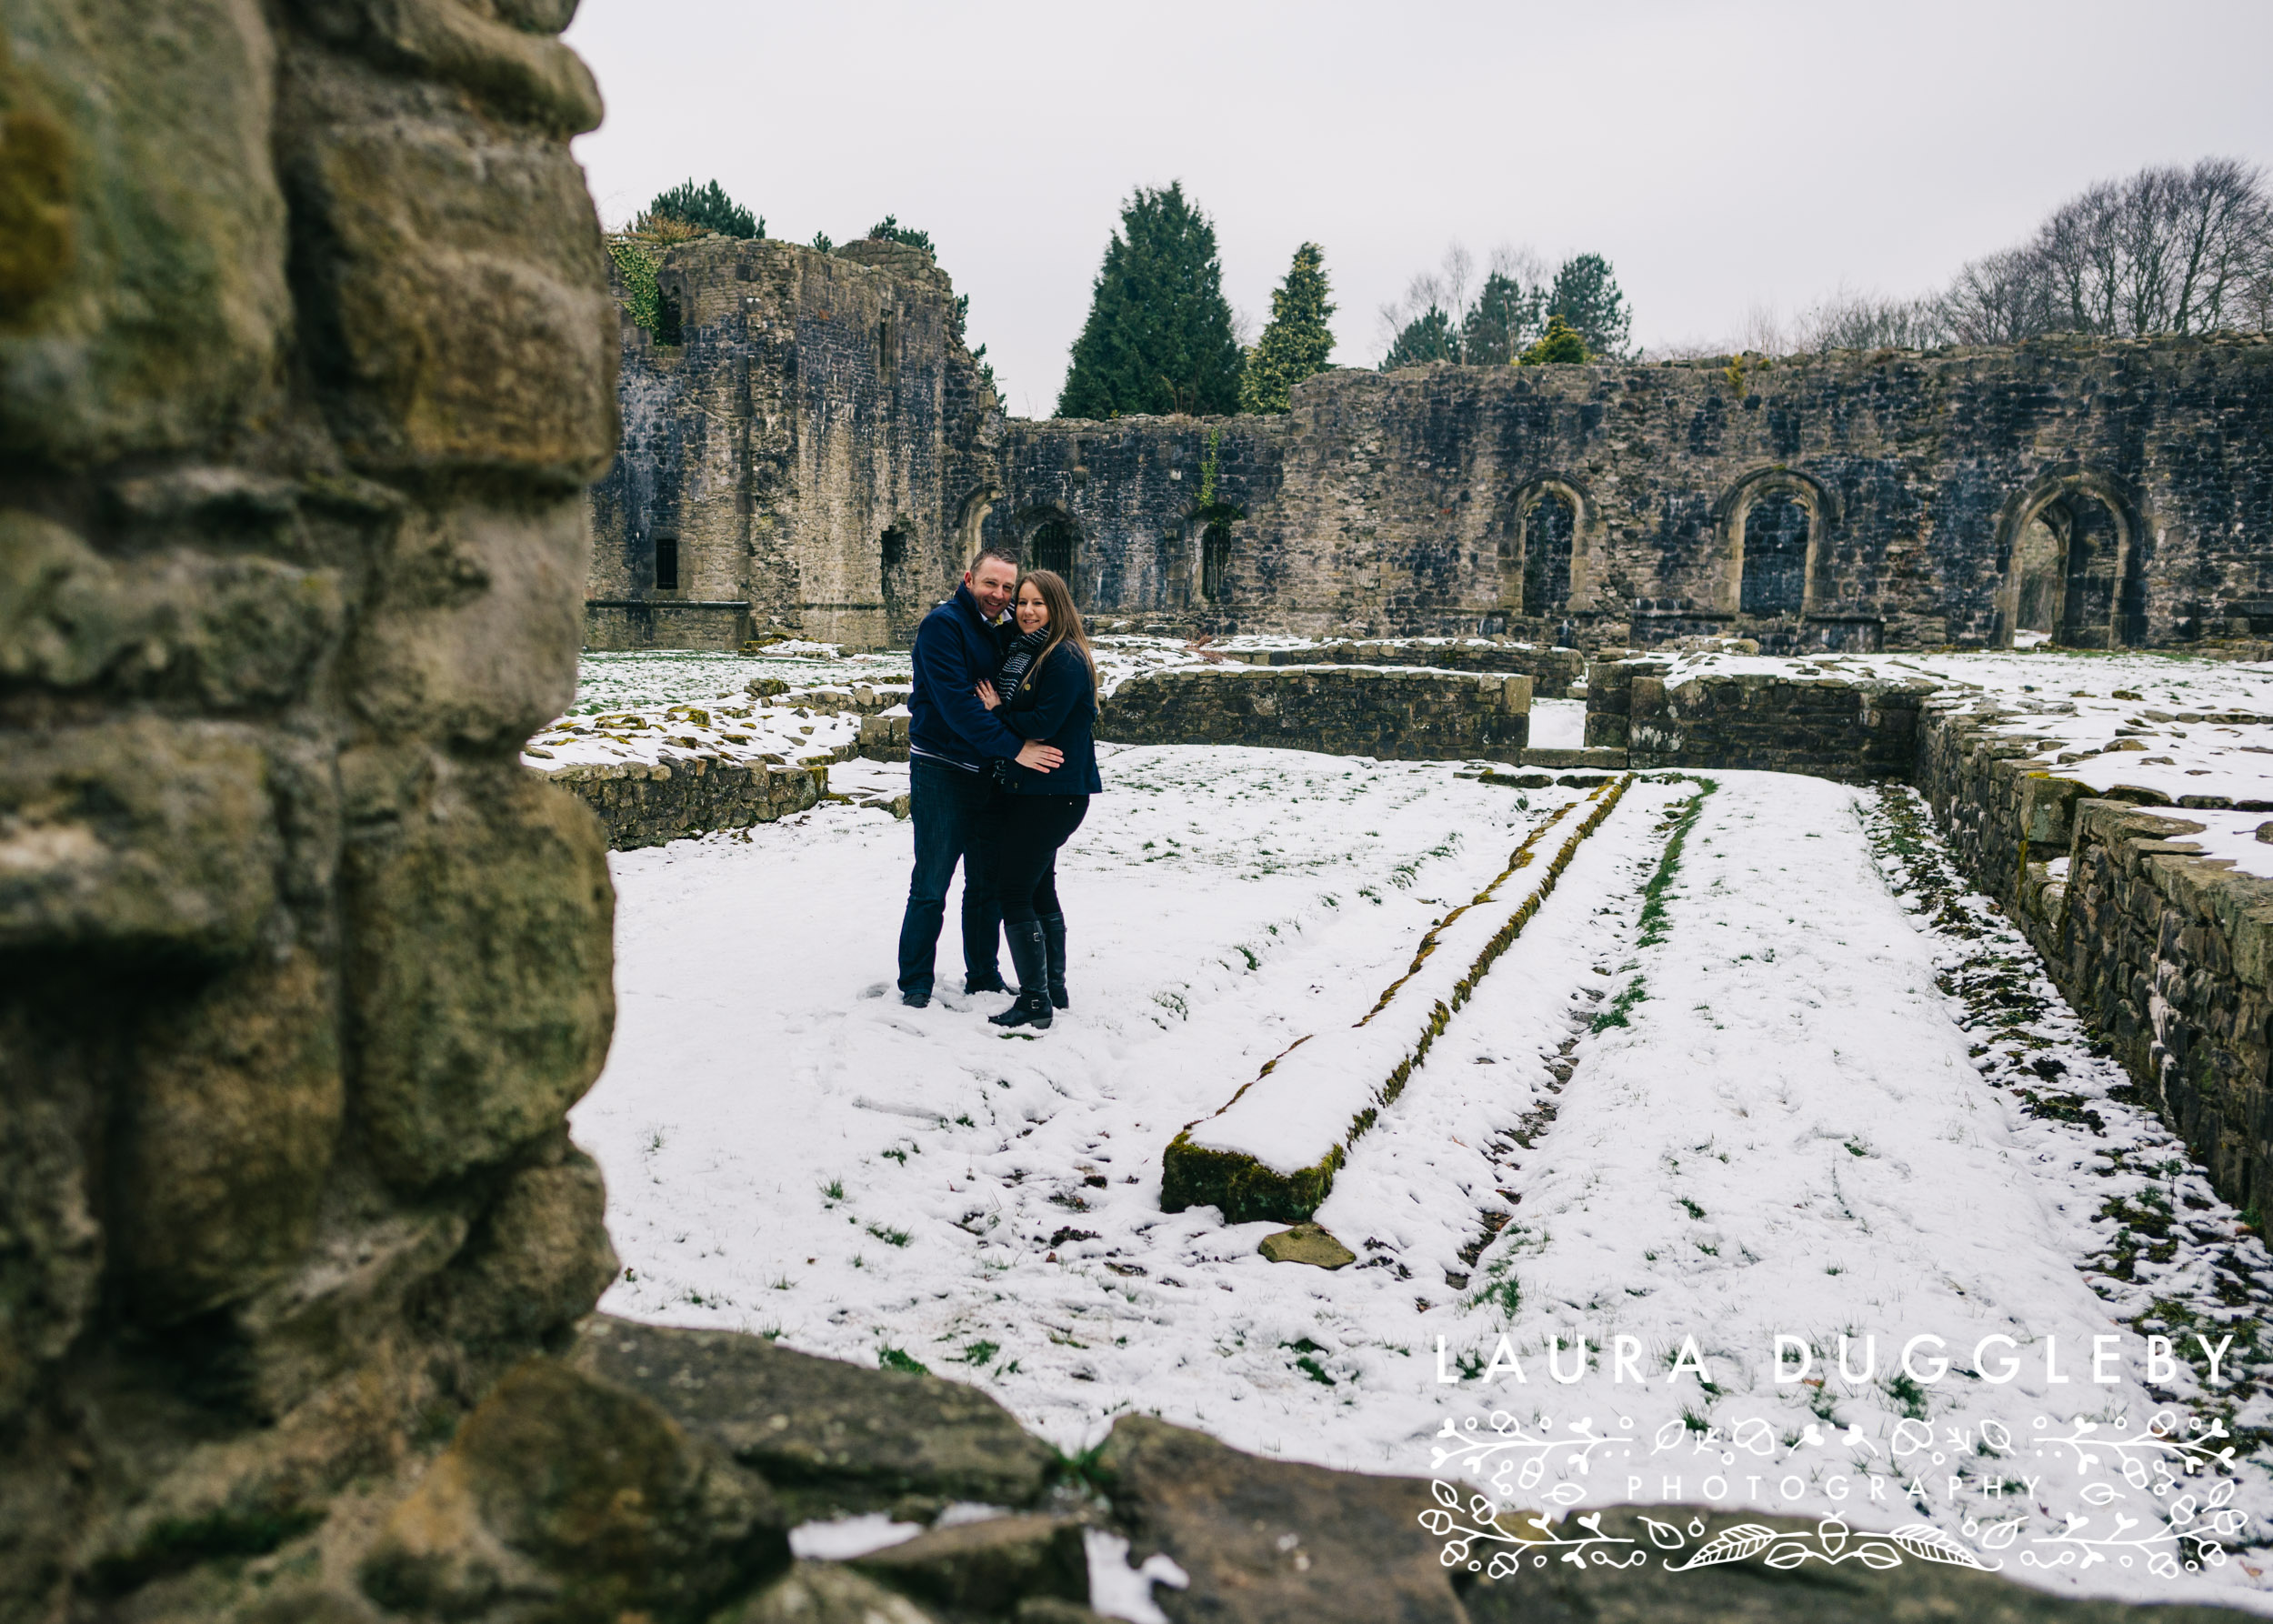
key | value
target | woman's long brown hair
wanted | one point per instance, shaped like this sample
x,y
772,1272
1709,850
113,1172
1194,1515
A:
x,y
1065,624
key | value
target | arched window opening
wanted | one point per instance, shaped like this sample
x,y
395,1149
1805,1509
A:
x,y
2067,561
1775,557
1051,547
669,327
1215,563
1547,529
667,564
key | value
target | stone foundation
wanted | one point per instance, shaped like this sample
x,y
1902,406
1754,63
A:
x,y
1552,671
1848,731
2168,954
1390,714
655,803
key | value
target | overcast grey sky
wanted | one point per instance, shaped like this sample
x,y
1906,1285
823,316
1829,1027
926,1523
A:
x,y
1722,154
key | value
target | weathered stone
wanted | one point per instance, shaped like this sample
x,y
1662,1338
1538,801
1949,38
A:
x,y
225,1137
478,972
1269,1541
138,834
538,1261
473,638
644,809
825,1593
985,1567
564,1499
227,630
1343,710
142,296
827,1434
1307,1243
451,332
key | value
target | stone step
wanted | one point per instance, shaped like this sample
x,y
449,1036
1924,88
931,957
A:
x,y
1610,760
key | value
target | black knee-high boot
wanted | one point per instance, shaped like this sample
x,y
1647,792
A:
x,y
1029,957
1054,940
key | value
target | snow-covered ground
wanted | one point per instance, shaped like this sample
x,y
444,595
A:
x,y
1703,1101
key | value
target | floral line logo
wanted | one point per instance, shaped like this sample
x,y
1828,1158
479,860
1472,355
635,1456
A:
x,y
2187,1533
1830,1542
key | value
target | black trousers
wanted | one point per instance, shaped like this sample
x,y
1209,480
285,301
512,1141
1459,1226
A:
x,y
1017,850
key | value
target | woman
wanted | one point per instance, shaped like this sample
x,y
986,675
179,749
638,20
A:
x,y
1045,689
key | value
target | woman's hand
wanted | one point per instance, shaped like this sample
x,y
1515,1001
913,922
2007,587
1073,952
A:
x,y
988,696
1038,758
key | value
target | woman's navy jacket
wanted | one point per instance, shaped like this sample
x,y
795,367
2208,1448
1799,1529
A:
x,y
1057,705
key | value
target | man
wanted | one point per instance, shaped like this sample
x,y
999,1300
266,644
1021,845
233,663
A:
x,y
953,743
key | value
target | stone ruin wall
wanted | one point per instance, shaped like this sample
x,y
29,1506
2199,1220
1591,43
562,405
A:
x,y
818,403
305,359
810,449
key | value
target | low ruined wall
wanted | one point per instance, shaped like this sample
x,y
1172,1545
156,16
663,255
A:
x,y
1343,710
2168,954
1838,729
654,803
1552,671
666,623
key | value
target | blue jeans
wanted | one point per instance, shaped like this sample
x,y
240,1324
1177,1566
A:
x,y
947,807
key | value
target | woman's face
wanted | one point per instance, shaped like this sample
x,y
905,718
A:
x,y
1033,613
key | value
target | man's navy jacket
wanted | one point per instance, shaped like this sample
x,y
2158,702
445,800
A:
x,y
955,650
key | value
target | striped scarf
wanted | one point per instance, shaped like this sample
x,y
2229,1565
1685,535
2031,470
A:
x,y
1019,661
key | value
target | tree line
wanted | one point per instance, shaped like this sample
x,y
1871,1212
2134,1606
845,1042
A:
x,y
2166,250
2174,249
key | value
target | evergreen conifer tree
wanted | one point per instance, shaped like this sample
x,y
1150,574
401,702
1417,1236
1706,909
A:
x,y
1432,335
706,207
1505,319
1297,341
1587,296
1158,337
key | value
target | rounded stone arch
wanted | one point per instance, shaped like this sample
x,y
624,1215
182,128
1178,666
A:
x,y
970,524
2067,561
1532,552
1771,564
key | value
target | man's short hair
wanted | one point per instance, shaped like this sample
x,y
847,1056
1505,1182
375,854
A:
x,y
1001,555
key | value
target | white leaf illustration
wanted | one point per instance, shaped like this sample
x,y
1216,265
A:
x,y
1924,1539
1998,1536
1731,1544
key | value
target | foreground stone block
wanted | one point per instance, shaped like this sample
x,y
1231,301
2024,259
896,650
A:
x,y
478,963
829,1436
565,1498
1273,1542
825,1593
987,1566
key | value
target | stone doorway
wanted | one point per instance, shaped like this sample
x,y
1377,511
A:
x,y
2068,570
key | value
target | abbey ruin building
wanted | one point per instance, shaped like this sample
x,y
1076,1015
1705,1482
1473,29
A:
x,y
819,456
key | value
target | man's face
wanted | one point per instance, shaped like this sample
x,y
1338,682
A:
x,y
991,584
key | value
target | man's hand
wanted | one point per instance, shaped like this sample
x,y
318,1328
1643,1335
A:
x,y
988,696
1038,758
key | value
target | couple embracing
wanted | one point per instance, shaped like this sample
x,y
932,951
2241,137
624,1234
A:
x,y
1001,766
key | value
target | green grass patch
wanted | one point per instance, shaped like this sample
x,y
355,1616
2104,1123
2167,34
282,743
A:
x,y
889,1358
